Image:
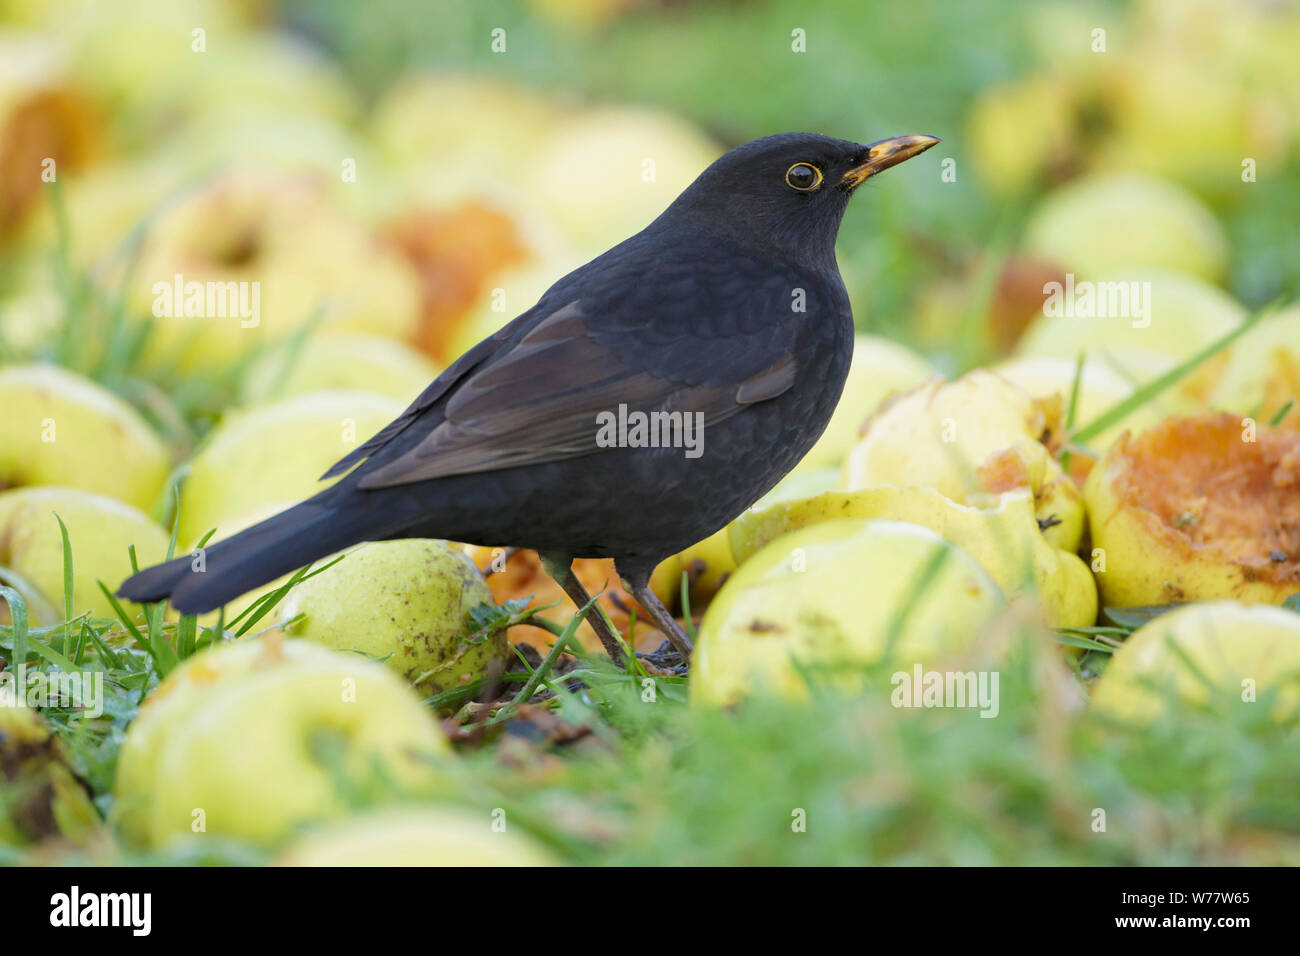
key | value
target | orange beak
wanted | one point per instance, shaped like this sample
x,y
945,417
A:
x,y
887,153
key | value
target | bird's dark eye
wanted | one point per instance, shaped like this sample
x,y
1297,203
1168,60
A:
x,y
804,177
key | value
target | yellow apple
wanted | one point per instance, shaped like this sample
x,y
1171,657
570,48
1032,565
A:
x,y
1006,159
275,743
249,257
971,440
100,530
416,836
276,453
43,797
1101,388
1002,535
1263,371
444,125
405,602
62,429
1106,224
1198,509
631,164
840,595
1245,652
1181,316
44,116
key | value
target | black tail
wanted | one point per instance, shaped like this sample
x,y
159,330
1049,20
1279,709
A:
x,y
253,557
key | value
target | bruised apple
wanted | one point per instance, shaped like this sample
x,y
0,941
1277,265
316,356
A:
x,y
404,602
971,440
838,597
1195,509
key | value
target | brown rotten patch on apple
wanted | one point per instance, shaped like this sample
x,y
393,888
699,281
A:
x,y
1210,489
40,118
523,577
455,252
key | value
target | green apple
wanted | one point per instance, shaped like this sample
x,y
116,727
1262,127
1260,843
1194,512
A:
x,y
440,836
276,453
338,360
1245,651
1123,222
839,596
100,530
880,368
62,429
268,747
402,601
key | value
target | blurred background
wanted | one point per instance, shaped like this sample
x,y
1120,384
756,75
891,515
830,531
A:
x,y
383,169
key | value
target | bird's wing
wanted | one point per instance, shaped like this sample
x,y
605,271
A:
x,y
539,400
439,387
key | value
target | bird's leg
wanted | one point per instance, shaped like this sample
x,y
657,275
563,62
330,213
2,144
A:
x,y
560,568
662,618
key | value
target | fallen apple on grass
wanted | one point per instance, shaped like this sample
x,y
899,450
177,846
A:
x,y
100,531
59,428
1195,509
415,836
253,739
1220,652
1002,535
797,607
405,602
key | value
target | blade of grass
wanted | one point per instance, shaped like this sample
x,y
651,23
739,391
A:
x,y
67,583
18,623
1145,393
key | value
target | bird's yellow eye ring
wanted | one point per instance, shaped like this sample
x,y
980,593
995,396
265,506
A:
x,y
805,177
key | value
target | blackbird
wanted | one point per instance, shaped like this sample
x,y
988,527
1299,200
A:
x,y
648,398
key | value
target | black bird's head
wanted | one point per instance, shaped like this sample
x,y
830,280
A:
x,y
786,194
